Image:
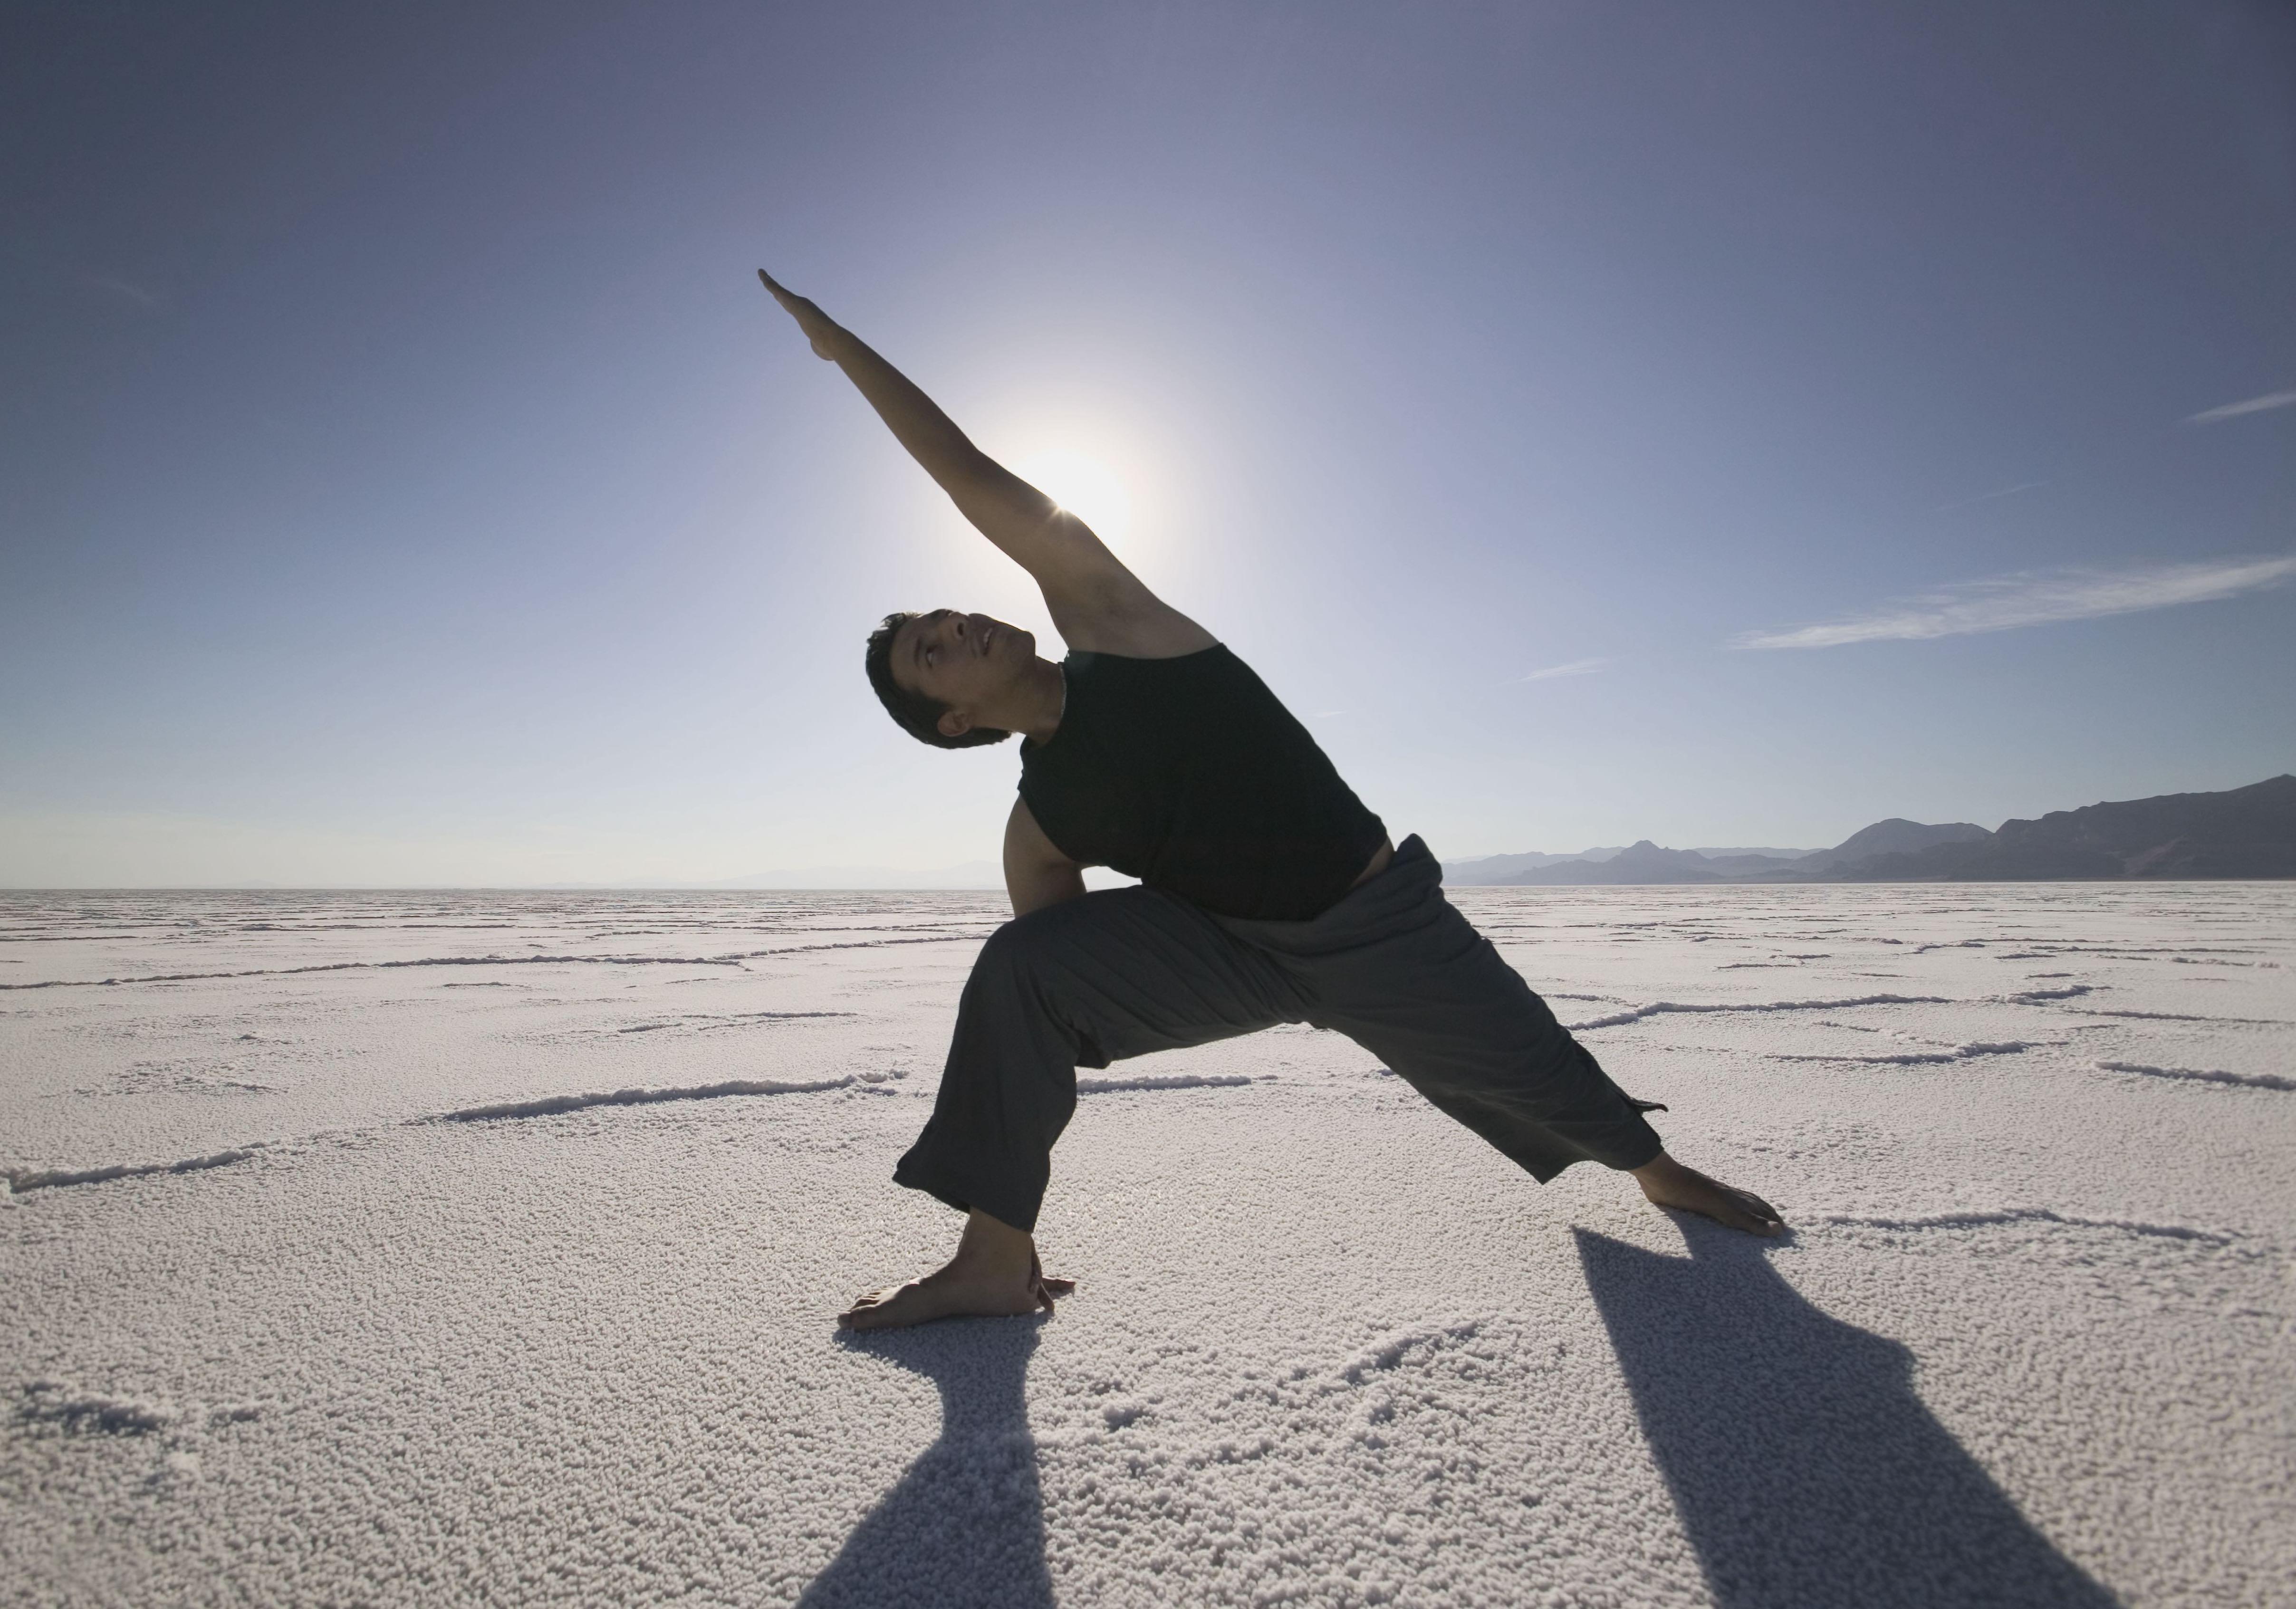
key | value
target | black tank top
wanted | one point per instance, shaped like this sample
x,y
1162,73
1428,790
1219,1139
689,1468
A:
x,y
1189,775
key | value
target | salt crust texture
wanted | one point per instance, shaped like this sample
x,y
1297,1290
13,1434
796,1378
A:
x,y
421,1249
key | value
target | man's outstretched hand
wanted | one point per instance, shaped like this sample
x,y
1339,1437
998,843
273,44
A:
x,y
819,328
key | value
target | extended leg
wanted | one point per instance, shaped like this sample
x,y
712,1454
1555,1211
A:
x,y
1499,1063
1398,970
1435,1001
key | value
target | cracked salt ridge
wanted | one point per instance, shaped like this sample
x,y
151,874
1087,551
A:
x,y
552,1105
1390,1352
1640,1011
53,1402
2183,1016
734,959
1982,1218
1917,1058
2031,997
736,1019
2201,1075
23,1179
1185,1080
56,1403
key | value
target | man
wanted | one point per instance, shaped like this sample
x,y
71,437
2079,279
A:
x,y
1268,894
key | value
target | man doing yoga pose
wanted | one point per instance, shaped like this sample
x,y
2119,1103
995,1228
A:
x,y
1267,892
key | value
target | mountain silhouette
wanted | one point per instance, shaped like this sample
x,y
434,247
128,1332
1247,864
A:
x,y
2247,832
2241,832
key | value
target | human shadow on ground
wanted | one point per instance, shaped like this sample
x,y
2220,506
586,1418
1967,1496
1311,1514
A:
x,y
1805,1469
966,1525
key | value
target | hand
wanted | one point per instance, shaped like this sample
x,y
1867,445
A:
x,y
819,328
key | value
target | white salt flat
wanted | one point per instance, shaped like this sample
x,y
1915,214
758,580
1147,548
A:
x,y
441,1248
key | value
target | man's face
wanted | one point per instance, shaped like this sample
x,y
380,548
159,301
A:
x,y
965,660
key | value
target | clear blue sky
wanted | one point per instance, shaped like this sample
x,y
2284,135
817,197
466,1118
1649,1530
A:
x,y
404,479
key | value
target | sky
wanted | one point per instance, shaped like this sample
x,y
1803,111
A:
x,y
1717,424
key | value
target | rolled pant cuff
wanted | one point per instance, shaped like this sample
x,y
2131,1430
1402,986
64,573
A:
x,y
1625,1145
1644,1149
945,1186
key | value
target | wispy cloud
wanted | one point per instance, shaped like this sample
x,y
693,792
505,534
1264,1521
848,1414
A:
x,y
2006,491
1575,667
2254,404
149,301
2007,601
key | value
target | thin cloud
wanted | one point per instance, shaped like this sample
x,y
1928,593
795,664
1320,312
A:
x,y
1575,667
2008,602
2006,491
2254,404
149,301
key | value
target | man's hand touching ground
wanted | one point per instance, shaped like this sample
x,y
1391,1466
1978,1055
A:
x,y
1669,1183
819,328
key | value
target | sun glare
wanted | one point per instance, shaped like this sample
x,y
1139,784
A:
x,y
1085,487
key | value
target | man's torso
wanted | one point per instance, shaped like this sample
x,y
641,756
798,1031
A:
x,y
1190,775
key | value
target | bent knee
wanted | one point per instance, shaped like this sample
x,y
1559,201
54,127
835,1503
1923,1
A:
x,y
1025,943
1056,934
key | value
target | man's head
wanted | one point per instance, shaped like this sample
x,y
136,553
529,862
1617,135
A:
x,y
939,672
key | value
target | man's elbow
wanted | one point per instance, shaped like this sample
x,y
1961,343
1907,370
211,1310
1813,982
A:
x,y
978,481
1043,886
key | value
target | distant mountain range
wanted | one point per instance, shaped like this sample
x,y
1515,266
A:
x,y
2245,832
2242,833
969,875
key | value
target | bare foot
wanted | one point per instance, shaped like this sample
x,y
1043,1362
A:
x,y
1669,1183
995,1274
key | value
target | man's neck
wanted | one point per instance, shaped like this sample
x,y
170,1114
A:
x,y
1038,703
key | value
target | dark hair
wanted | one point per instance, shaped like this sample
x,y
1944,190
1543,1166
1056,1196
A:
x,y
913,712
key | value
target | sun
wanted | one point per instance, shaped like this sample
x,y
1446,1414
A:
x,y
1085,487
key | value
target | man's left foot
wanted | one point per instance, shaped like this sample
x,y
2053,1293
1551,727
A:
x,y
994,1275
954,1291
1669,1183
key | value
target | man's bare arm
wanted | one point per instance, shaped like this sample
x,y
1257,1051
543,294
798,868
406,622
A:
x,y
1036,874
1096,602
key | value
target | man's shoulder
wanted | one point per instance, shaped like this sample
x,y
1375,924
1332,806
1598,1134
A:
x,y
1102,661
1145,627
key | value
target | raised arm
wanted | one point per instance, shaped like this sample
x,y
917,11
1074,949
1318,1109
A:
x,y
1096,602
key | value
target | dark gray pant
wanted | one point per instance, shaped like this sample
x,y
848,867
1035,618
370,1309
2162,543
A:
x,y
1394,967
